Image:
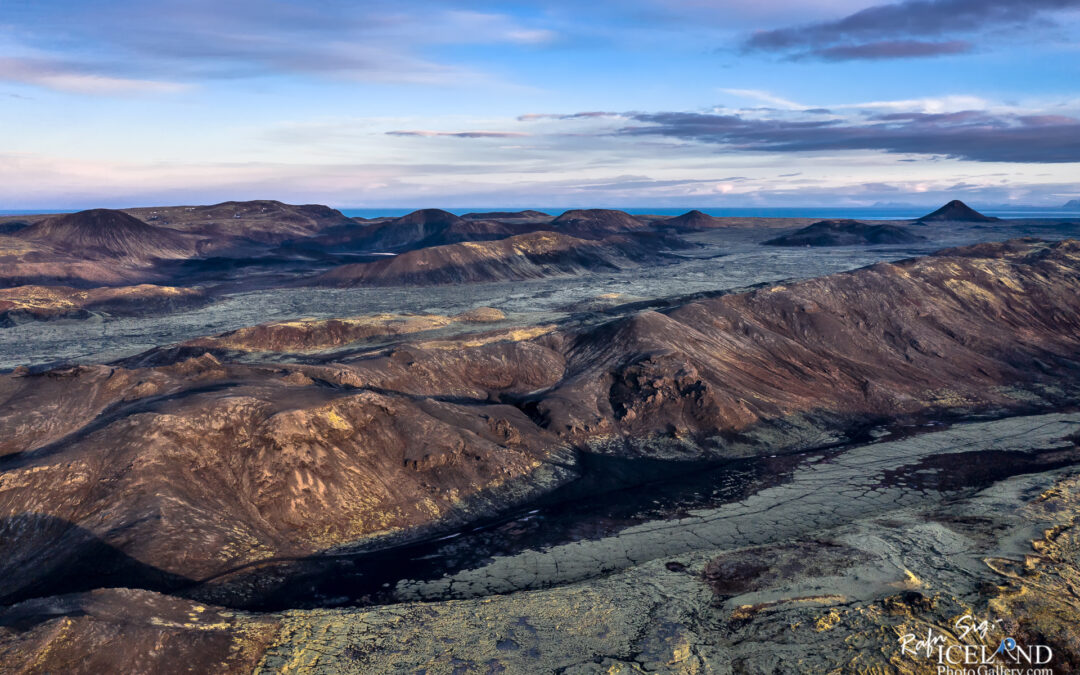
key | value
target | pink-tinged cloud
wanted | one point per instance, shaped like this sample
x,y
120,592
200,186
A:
x,y
77,78
532,117
457,134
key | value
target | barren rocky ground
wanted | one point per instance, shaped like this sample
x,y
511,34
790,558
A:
x,y
727,458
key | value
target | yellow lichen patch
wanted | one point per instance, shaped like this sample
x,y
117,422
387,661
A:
x,y
744,612
309,334
910,580
427,504
971,291
539,242
337,421
481,315
191,625
513,335
1005,274
59,298
827,621
14,246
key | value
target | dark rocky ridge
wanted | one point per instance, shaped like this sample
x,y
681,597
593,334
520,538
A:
x,y
264,221
526,256
197,467
312,334
846,233
419,229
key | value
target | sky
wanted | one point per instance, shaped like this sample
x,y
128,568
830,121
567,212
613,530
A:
x,y
631,103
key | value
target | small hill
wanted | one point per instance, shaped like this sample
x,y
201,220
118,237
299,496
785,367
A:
x,y
1072,204
594,222
507,215
693,220
845,233
427,217
527,256
420,229
108,233
958,212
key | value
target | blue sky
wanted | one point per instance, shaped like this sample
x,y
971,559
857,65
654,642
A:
x,y
633,103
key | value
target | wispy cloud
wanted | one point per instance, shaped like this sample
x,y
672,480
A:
x,y
972,135
532,117
900,30
118,46
893,49
764,97
78,78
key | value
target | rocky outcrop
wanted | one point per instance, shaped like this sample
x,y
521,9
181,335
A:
x,y
36,303
846,233
134,631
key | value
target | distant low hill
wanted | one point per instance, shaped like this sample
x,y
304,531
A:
x,y
109,233
1072,204
692,220
596,222
846,233
959,212
507,215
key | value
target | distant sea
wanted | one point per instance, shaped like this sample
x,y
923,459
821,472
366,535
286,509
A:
x,y
855,213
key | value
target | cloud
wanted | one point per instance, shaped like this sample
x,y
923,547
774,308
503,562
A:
x,y
457,134
764,97
882,31
140,45
532,117
78,78
646,183
972,135
892,49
